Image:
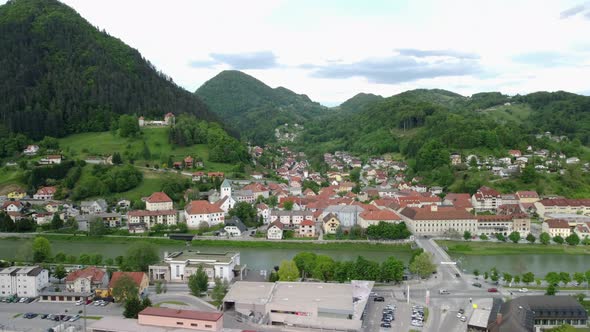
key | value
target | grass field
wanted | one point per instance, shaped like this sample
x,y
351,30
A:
x,y
159,304
105,143
496,248
517,113
10,179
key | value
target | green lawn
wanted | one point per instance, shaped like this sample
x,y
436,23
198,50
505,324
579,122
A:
x,y
10,179
496,248
105,143
157,305
517,113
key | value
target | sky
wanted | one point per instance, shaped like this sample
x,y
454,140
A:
x,y
331,50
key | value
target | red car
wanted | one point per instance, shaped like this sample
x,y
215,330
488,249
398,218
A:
x,y
492,290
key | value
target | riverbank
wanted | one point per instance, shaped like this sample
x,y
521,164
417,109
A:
x,y
481,248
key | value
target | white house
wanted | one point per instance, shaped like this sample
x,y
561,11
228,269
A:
x,y
45,193
12,206
196,212
572,160
24,281
93,207
179,266
31,150
275,231
486,199
235,227
262,210
158,201
557,227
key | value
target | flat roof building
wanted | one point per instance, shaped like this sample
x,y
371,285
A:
x,y
301,304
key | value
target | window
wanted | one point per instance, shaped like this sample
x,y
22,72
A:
x,y
194,324
179,323
208,326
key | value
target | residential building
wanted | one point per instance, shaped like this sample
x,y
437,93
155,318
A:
x,y
557,227
538,312
290,219
234,227
306,229
347,214
297,305
52,207
92,207
455,159
369,218
178,266
31,150
12,206
197,212
527,196
181,319
23,281
275,230
139,278
486,199
503,224
147,219
188,162
16,194
45,193
86,280
262,210
562,205
51,160
330,223
159,201
436,220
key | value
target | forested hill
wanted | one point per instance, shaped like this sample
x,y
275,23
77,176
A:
x,y
60,75
254,108
359,102
487,122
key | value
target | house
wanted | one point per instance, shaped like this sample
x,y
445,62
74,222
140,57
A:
x,y
562,205
537,313
262,210
16,194
169,119
330,223
306,229
515,153
147,219
12,206
369,218
176,319
347,214
139,278
159,201
52,207
188,162
527,196
290,219
455,159
572,160
53,159
557,227
197,212
486,199
124,204
179,266
235,227
458,200
198,176
93,207
31,150
435,220
45,193
275,231
219,175
508,199
86,280
42,218
24,281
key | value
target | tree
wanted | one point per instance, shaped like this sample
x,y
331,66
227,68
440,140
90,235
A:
x,y
579,277
467,235
483,237
132,307
96,227
85,259
494,274
392,270
552,278
60,272
528,277
288,205
288,271
202,279
339,233
531,238
558,239
246,213
128,126
563,328
514,236
517,279
193,285
528,174
305,262
486,275
476,272
117,160
124,289
324,268
60,257
545,238
158,286
423,265
41,249
565,278
146,302
551,290
219,291
573,239
507,277
56,222
500,237
139,256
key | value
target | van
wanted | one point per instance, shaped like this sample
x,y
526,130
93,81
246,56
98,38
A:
x,y
443,292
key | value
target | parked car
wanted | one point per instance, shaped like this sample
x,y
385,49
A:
x,y
463,318
461,311
385,324
75,318
492,290
79,302
379,299
444,291
44,316
523,290
22,300
476,284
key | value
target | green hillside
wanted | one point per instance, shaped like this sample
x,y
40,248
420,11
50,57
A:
x,y
359,102
253,108
61,75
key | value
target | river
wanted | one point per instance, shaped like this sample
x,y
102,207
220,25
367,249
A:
x,y
255,258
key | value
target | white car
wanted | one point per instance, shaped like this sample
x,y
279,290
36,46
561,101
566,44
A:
x,y
463,318
75,318
97,302
523,290
459,315
80,302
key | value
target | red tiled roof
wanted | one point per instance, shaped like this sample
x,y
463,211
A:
x,y
459,200
202,207
46,191
9,203
137,277
182,314
442,213
159,197
277,223
255,187
527,194
557,223
380,215
307,223
565,202
95,274
488,192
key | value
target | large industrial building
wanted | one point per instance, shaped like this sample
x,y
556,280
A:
x,y
336,307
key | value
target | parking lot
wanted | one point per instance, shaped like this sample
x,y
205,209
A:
x,y
12,315
374,314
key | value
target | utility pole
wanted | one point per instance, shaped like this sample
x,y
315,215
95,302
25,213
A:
x,y
85,302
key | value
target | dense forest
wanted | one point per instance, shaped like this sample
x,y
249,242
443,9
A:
x,y
60,75
253,108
